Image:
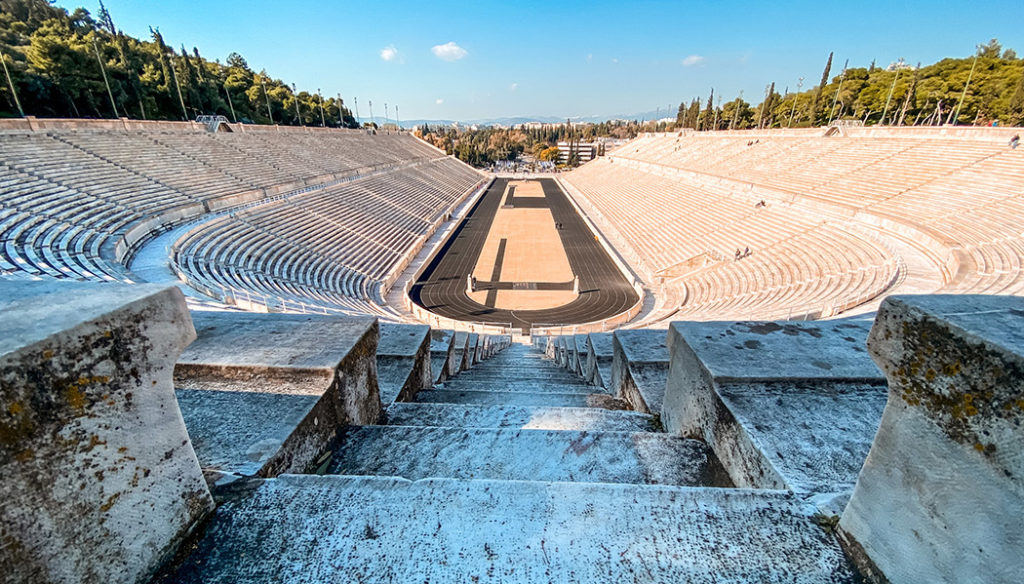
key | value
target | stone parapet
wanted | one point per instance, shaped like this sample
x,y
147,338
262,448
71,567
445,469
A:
x,y
941,493
784,405
321,371
100,482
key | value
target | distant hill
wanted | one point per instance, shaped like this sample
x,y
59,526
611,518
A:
x,y
517,120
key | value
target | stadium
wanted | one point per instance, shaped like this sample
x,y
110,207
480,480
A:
x,y
257,352
829,222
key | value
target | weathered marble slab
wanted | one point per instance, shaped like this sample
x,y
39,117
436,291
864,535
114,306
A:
x,y
320,370
442,354
309,530
403,361
415,452
461,350
941,495
99,480
523,417
600,354
754,391
640,368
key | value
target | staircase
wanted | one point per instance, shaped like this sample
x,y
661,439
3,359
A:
x,y
508,473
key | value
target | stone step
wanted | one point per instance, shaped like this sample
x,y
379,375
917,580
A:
x,y
491,398
525,374
514,386
525,417
311,529
418,452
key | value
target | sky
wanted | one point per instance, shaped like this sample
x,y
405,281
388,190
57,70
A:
x,y
564,58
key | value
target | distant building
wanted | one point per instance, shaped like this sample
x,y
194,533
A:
x,y
585,151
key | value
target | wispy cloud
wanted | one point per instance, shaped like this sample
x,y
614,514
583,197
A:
x,y
448,51
439,100
390,54
692,60
615,60
590,57
513,87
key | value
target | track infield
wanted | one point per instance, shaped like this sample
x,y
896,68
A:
x,y
524,243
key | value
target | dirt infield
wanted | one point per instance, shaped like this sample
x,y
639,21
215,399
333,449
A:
x,y
523,265
512,254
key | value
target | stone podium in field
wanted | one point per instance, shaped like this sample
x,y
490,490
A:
x,y
941,495
100,483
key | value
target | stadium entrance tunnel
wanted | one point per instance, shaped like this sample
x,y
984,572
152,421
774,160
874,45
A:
x,y
523,256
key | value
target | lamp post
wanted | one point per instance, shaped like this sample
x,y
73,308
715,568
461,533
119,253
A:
x,y
796,98
355,100
964,93
103,70
323,120
341,112
835,100
181,100
263,82
892,87
234,118
295,94
10,83
373,120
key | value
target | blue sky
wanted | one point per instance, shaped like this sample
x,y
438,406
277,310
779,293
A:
x,y
470,60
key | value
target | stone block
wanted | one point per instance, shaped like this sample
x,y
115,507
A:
x,y
100,483
403,361
461,352
784,405
442,354
320,370
581,354
600,354
474,349
640,368
941,495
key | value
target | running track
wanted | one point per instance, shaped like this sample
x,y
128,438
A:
x,y
603,290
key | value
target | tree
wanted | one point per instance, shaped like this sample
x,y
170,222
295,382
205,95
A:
x,y
812,110
1016,105
705,122
693,114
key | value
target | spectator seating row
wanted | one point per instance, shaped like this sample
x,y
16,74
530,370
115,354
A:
x,y
69,198
672,197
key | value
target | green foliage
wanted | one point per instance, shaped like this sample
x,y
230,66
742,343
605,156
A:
x,y
51,55
485,146
926,95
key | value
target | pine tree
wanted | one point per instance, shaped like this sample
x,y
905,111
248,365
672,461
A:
x,y
681,114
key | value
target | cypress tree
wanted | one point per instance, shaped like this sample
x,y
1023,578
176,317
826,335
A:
x,y
105,20
1017,102
708,112
165,68
813,110
911,97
